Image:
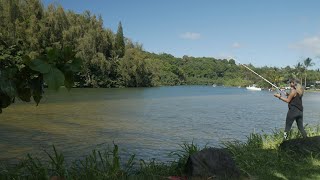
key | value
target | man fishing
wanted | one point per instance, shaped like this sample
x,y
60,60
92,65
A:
x,y
295,112
294,100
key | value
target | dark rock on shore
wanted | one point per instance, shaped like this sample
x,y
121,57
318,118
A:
x,y
302,145
212,162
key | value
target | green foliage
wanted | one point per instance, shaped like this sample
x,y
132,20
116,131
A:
x,y
57,163
260,157
24,77
40,66
156,170
134,69
183,155
36,169
110,59
307,63
119,42
100,164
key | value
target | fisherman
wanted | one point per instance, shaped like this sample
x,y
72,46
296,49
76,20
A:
x,y
294,100
295,112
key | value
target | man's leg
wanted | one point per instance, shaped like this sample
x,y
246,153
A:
x,y
299,121
289,121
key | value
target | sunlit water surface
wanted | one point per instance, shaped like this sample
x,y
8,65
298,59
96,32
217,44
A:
x,y
148,122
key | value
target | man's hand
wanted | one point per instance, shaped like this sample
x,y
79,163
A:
x,y
277,95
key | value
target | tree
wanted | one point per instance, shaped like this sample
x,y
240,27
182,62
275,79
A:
x,y
136,70
56,25
119,42
10,13
307,63
299,69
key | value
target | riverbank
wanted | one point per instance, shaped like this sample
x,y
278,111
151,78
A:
x,y
257,158
313,90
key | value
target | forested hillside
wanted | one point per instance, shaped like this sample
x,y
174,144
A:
x,y
109,59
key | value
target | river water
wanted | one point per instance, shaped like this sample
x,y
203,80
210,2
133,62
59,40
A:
x,y
148,122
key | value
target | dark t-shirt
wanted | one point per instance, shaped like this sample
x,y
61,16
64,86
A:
x,y
297,102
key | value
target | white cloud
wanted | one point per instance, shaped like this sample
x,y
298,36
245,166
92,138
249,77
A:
x,y
190,35
236,45
309,45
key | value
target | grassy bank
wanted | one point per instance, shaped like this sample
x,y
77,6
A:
x,y
261,158
257,158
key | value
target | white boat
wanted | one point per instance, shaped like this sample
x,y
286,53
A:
x,y
253,88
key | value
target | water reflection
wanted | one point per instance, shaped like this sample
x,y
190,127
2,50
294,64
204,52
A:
x,y
150,122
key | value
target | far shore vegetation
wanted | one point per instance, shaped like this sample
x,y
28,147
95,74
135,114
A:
x,y
51,46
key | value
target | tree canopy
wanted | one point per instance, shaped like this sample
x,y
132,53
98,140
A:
x,y
52,47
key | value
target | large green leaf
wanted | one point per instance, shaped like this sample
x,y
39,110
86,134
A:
x,y
37,97
73,65
40,66
54,78
53,55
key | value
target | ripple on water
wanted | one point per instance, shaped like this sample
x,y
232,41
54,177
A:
x,y
150,122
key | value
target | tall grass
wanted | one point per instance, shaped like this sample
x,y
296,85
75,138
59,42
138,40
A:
x,y
100,164
258,157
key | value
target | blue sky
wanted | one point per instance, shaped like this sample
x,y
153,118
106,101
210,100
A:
x,y
272,33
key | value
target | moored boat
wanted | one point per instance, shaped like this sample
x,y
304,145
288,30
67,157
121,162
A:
x,y
253,88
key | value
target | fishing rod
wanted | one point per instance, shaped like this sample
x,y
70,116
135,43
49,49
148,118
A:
x,y
260,76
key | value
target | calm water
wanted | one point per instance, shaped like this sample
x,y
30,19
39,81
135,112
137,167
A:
x,y
150,122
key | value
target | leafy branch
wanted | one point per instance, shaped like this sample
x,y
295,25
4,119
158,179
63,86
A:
x,y
23,77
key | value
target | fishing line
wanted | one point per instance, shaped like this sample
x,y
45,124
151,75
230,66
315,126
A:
x,y
261,77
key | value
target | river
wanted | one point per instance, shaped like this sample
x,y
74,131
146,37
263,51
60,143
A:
x,y
149,122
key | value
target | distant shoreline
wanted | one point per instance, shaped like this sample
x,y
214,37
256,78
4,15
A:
x,y
317,90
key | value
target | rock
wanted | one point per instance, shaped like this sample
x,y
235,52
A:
x,y
212,162
302,145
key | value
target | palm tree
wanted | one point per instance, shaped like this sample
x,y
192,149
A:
x,y
299,69
307,63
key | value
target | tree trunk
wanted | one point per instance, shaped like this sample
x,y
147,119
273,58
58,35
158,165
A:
x,y
305,80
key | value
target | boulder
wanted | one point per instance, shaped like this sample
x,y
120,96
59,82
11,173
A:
x,y
302,145
212,162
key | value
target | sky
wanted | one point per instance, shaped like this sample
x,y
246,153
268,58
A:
x,y
276,33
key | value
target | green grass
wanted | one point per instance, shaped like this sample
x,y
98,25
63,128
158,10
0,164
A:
x,y
260,157
257,158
